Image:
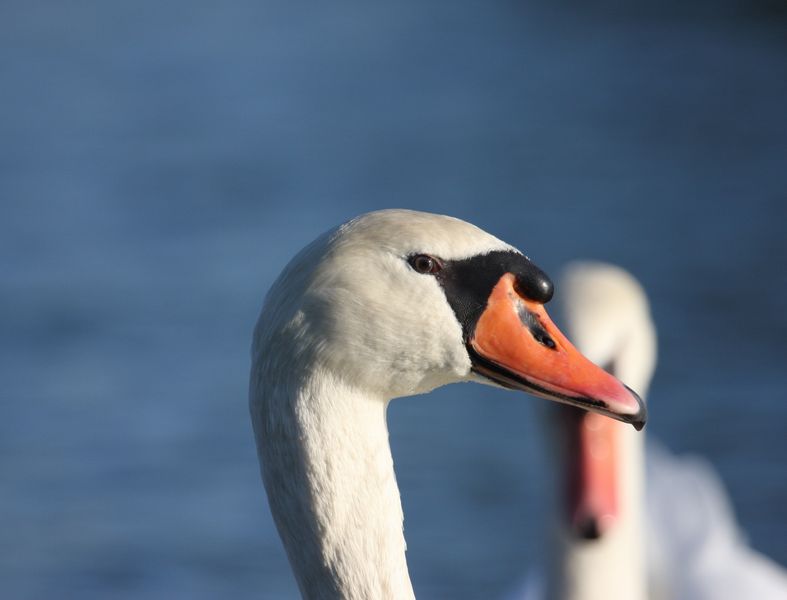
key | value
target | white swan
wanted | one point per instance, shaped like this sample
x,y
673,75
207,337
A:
x,y
391,304
599,465
679,539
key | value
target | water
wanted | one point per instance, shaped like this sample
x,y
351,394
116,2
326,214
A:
x,y
159,164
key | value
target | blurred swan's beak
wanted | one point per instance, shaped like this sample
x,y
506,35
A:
x,y
516,344
592,478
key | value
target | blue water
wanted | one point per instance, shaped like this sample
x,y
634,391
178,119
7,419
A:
x,y
160,162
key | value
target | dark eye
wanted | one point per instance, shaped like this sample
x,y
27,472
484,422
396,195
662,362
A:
x,y
424,263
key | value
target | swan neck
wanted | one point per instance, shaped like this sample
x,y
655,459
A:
x,y
328,472
612,567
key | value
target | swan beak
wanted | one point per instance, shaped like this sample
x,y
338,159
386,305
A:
x,y
517,345
592,450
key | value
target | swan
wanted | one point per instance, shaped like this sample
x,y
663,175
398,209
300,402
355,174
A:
x,y
392,303
667,517
600,523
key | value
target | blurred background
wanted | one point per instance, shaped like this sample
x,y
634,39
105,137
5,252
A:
x,y
161,161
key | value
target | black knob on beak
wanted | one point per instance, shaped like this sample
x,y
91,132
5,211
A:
x,y
532,283
587,529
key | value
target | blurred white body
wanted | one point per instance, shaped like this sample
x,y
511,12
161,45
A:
x,y
696,551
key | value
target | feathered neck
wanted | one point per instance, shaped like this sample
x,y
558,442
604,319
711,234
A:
x,y
328,471
613,567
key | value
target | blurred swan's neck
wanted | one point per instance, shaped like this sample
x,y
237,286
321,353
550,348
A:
x,y
328,471
612,567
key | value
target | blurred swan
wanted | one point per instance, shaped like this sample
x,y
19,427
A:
x,y
393,303
666,518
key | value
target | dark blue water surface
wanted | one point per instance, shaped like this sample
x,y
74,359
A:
x,y
160,162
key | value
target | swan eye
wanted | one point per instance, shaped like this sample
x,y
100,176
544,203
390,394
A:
x,y
424,263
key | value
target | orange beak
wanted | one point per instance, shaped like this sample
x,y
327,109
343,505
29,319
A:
x,y
592,473
517,345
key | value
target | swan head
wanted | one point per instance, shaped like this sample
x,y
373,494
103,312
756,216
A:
x,y
607,314
399,302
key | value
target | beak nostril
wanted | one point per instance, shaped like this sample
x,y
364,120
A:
x,y
530,320
545,340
